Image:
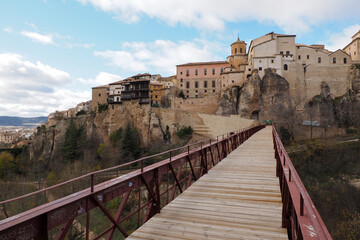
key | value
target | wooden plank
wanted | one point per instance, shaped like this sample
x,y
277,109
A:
x,y
238,199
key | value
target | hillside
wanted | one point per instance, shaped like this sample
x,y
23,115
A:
x,y
20,121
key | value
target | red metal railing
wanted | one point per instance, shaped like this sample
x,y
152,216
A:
x,y
123,203
299,215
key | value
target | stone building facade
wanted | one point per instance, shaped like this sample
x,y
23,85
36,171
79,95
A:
x,y
303,66
353,48
200,79
99,96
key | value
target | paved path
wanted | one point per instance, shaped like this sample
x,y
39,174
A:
x,y
237,199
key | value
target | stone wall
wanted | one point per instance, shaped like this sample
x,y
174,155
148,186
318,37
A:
x,y
207,104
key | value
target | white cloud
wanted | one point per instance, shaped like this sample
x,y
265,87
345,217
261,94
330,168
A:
x,y
291,15
102,78
33,89
81,45
8,29
37,37
159,56
340,40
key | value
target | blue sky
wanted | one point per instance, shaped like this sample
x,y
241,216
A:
x,y
53,52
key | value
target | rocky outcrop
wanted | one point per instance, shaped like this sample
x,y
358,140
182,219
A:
x,y
275,96
228,103
321,107
249,102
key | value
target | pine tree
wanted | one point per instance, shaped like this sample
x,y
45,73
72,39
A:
x,y
70,148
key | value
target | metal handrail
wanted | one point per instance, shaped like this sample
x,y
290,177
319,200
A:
x,y
300,215
92,174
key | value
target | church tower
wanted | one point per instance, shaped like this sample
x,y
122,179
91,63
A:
x,y
238,47
238,57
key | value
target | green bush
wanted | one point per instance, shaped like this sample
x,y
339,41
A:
x,y
103,107
82,112
184,132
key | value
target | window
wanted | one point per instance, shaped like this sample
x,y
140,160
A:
x,y
187,91
187,96
272,61
299,57
240,50
180,73
235,50
287,52
213,83
205,84
213,91
205,91
187,73
319,59
196,96
196,84
196,91
334,60
222,70
205,71
99,94
249,69
213,71
260,68
187,84
181,80
308,56
285,67
345,60
196,72
281,52
232,81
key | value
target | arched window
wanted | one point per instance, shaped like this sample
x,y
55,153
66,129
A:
x,y
235,50
285,67
240,50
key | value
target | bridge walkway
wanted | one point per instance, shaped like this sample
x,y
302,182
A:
x,y
238,199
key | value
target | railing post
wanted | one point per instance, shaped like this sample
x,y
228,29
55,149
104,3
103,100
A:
x,y
92,182
170,156
142,166
301,205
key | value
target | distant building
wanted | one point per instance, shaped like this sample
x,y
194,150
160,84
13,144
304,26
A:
x,y
9,137
137,90
99,96
353,48
83,106
156,92
168,82
200,79
116,89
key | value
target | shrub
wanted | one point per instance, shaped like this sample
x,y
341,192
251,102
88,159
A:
x,y
82,112
103,107
184,132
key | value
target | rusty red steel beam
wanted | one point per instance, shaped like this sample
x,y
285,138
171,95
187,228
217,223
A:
x,y
300,215
35,223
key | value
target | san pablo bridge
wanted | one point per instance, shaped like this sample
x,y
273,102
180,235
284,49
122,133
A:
x,y
237,186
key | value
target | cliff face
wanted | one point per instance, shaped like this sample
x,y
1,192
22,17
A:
x,y
228,103
257,99
275,95
249,102
96,128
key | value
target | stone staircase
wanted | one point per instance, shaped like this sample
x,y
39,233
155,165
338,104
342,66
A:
x,y
202,130
214,125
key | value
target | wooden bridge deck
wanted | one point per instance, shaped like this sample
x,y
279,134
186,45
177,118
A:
x,y
238,199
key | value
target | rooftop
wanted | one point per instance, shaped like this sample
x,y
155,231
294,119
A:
x,y
204,63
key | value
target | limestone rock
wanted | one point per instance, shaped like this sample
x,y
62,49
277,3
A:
x,y
249,102
228,102
275,96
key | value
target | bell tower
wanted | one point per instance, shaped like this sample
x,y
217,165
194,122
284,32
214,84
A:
x,y
238,47
238,56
